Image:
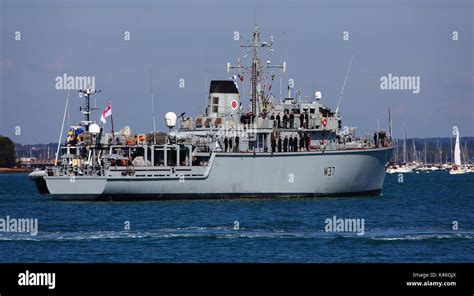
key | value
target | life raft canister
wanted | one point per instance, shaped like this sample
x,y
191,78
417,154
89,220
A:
x,y
324,121
234,104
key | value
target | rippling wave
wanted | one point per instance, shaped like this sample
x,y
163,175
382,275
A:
x,y
221,232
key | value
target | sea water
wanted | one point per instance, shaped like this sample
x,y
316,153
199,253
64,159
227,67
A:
x,y
425,217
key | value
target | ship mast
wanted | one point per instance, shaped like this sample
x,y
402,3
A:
x,y
87,109
257,68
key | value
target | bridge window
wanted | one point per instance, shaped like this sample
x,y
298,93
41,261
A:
x,y
215,104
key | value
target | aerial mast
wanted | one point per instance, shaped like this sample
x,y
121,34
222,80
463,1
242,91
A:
x,y
87,109
256,69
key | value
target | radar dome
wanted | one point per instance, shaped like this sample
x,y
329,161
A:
x,y
94,128
127,131
170,119
318,95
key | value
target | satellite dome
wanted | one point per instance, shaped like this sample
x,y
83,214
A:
x,y
318,95
127,131
94,128
170,119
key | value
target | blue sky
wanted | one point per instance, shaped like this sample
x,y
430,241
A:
x,y
86,38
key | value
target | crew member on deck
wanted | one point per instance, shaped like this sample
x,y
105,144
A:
x,y
272,118
279,144
226,143
290,143
273,145
230,145
383,138
285,144
295,144
237,140
301,120
285,121
292,120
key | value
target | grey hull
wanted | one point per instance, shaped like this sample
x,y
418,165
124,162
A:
x,y
245,175
355,173
75,188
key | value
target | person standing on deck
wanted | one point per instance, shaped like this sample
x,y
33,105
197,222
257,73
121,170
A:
x,y
290,143
237,142
285,144
295,144
273,144
292,120
226,143
279,144
285,121
272,118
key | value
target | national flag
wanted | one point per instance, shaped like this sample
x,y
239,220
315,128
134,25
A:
x,y
241,77
106,113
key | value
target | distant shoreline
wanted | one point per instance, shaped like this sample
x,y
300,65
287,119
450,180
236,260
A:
x,y
17,170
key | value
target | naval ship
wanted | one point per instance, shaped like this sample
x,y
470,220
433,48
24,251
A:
x,y
285,146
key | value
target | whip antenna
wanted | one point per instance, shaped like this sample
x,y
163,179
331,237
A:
x,y
344,84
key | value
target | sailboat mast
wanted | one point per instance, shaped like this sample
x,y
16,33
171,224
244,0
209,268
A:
x,y
389,124
396,153
425,154
415,158
404,144
465,153
451,150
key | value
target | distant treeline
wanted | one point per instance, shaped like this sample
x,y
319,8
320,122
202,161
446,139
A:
x,y
435,147
7,153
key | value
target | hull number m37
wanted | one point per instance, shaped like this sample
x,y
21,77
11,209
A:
x,y
329,171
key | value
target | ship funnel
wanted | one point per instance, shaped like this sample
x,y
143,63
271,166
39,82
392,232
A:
x,y
223,98
170,119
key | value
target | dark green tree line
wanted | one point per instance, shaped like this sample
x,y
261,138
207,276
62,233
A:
x,y
7,152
